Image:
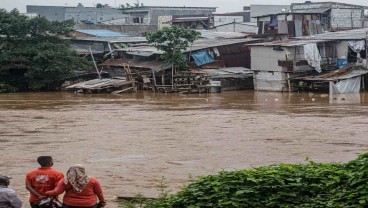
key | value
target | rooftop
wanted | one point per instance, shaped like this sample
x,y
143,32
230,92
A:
x,y
288,43
357,34
197,45
103,33
113,39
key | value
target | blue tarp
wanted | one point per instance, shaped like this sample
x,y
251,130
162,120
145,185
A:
x,y
202,58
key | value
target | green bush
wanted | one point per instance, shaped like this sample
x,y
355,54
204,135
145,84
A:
x,y
284,185
5,88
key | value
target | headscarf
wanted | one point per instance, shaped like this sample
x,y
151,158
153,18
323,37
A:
x,y
77,177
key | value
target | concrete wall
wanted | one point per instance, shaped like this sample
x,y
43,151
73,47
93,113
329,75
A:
x,y
79,13
346,18
270,81
136,30
259,10
51,13
316,5
266,59
92,14
163,21
155,13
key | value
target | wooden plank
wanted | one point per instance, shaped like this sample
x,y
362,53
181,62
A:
x,y
286,63
120,91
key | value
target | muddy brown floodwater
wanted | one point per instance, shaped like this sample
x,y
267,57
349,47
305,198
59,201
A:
x,y
130,141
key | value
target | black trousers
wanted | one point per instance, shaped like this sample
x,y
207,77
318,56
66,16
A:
x,y
34,205
68,206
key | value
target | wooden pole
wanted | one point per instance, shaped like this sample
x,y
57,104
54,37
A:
x,y
94,63
172,77
289,84
154,80
363,82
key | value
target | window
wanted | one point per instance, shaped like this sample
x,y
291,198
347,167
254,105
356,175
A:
x,y
136,20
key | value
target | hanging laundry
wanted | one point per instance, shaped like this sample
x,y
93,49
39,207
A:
x,y
282,27
306,28
291,28
298,28
216,51
357,46
273,21
319,27
260,28
311,54
313,27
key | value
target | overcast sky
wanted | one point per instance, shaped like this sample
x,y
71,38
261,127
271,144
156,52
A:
x,y
223,5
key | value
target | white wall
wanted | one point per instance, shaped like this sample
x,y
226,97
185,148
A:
x,y
237,27
266,59
259,10
346,18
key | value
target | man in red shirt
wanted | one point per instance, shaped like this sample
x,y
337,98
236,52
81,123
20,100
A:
x,y
42,179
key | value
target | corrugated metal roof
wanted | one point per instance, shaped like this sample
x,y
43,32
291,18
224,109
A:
x,y
297,11
103,33
197,45
189,19
208,34
114,39
287,43
232,72
357,34
154,65
338,76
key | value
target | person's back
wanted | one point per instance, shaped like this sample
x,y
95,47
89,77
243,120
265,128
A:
x,y
81,190
8,197
43,179
85,198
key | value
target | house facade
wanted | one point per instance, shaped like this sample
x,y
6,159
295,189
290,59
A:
x,y
80,14
149,15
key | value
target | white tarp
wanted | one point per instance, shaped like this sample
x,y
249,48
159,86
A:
x,y
357,46
311,54
351,85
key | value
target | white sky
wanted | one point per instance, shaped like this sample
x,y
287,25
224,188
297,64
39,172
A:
x,y
223,5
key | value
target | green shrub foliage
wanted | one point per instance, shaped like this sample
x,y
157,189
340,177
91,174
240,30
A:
x,y
316,185
32,54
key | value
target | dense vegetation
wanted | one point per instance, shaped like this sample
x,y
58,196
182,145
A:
x,y
312,185
32,55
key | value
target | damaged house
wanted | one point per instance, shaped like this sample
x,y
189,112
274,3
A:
x,y
311,18
281,65
220,55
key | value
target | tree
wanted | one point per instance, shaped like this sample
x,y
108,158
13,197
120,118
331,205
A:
x,y
173,41
99,5
32,54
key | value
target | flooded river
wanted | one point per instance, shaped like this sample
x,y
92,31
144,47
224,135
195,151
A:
x,y
130,141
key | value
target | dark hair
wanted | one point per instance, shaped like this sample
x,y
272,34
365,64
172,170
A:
x,y
44,160
4,180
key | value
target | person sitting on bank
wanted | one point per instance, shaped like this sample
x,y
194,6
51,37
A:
x,y
81,191
42,179
8,197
